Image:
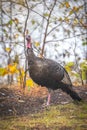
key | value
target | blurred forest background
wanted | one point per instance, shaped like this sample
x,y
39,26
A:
x,y
58,29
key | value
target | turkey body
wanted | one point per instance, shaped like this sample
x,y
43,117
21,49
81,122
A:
x,y
48,73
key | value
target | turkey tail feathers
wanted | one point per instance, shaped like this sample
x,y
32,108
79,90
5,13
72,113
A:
x,y
69,90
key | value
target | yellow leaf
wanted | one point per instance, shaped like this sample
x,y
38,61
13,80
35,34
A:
x,y
75,21
67,4
68,68
16,59
71,12
8,49
3,71
12,68
84,75
66,19
70,64
37,44
46,14
64,4
75,8
60,19
61,5
16,21
29,82
33,22
16,35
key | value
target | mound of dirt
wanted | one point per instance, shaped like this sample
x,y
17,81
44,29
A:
x,y
13,101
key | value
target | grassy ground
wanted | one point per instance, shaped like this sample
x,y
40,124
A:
x,y
20,111
58,117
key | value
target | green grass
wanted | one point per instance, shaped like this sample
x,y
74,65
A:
x,y
60,117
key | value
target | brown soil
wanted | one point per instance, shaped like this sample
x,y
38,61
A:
x,y
13,101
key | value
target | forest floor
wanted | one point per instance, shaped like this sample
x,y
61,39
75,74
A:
x,y
29,105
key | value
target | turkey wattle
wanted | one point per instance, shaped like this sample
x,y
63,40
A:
x,y
48,73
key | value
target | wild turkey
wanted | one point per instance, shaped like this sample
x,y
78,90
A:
x,y
48,73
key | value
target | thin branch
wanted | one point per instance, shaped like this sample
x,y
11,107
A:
x,y
85,9
45,34
64,38
26,23
42,22
54,28
38,14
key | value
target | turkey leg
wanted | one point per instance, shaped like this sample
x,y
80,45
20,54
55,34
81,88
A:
x,y
48,99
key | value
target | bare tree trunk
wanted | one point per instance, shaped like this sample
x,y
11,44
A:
x,y
24,81
85,8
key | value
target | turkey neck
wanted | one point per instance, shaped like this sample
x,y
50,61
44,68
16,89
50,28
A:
x,y
31,56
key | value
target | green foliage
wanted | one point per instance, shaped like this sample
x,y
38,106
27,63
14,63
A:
x,y
46,14
83,65
84,43
33,21
16,59
10,22
83,68
60,19
70,64
84,75
2,71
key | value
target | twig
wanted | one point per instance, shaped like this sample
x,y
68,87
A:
x,y
29,8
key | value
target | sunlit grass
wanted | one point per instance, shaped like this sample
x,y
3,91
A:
x,y
70,116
